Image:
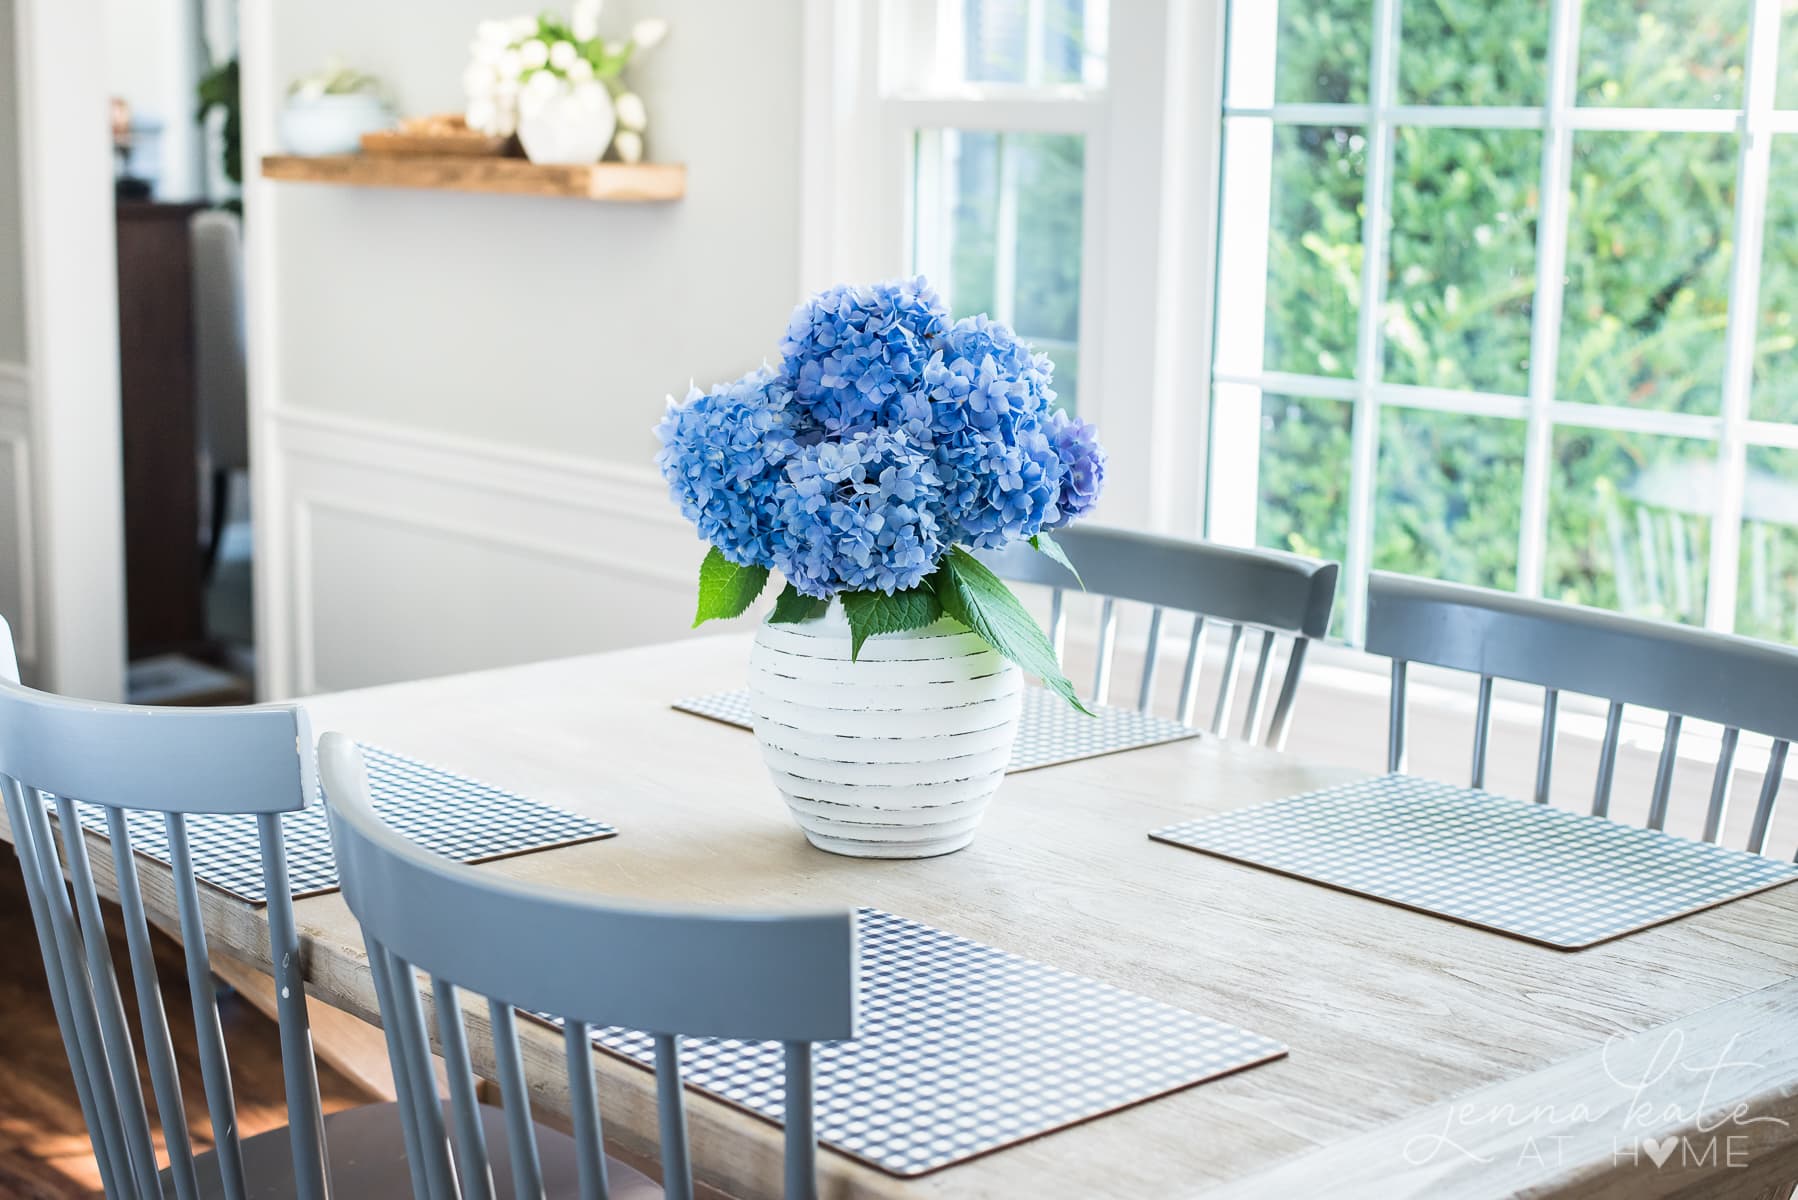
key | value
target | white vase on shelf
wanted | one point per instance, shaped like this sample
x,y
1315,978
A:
x,y
565,123
332,123
894,755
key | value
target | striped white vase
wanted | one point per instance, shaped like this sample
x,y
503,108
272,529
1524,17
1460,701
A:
x,y
894,755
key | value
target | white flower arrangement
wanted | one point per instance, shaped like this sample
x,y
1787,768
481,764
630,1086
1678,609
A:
x,y
518,64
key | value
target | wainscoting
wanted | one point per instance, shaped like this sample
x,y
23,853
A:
x,y
395,553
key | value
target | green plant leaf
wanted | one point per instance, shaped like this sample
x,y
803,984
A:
x,y
793,606
979,599
873,613
725,589
1049,546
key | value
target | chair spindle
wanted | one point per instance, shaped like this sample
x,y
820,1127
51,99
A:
x,y
115,1035
1108,627
1395,720
159,1051
69,1007
583,1109
402,1079
671,1120
1251,721
1720,785
1058,623
215,1070
1189,678
1482,731
474,1172
415,1051
1226,691
1151,653
521,1138
1545,751
1607,760
1289,689
1663,773
1763,811
305,1115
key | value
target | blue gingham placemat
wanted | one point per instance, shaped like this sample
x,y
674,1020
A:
x,y
964,1049
458,817
1561,878
1050,730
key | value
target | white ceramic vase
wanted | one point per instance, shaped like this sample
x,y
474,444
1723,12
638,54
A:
x,y
894,755
332,123
566,124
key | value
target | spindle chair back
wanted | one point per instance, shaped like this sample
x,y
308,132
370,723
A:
x,y
1268,592
1739,683
590,962
175,762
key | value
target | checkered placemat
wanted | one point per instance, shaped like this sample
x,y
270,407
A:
x,y
964,1049
458,817
1561,878
1050,730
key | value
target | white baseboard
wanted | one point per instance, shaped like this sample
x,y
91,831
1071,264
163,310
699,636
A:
x,y
411,553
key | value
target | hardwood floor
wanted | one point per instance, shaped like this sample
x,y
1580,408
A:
x,y
44,1152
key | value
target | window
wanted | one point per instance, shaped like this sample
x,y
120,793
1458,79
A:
x,y
998,110
1507,295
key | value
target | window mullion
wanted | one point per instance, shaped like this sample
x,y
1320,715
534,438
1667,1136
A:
x,y
1744,312
949,32
1035,42
1005,234
1376,209
1551,270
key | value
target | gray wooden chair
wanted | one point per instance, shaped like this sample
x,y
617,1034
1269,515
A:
x,y
786,978
1737,682
1247,591
173,762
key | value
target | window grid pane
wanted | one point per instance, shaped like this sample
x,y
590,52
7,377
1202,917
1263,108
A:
x,y
1031,42
1668,351
998,228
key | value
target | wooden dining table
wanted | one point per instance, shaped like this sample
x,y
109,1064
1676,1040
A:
x,y
1427,1058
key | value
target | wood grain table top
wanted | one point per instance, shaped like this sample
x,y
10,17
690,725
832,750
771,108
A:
x,y
1427,1058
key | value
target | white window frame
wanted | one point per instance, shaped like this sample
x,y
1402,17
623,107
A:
x,y
1232,486
1148,222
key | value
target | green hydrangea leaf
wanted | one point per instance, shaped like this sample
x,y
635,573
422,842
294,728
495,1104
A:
x,y
793,606
872,613
725,589
979,599
1049,546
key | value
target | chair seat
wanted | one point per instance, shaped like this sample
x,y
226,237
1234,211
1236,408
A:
x,y
368,1158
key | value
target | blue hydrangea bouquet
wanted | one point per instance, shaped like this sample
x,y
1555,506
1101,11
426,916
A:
x,y
888,444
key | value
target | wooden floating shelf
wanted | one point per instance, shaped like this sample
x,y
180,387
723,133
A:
x,y
616,182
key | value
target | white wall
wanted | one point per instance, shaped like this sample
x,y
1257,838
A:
x,y
457,391
12,263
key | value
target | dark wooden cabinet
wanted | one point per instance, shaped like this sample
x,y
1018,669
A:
x,y
164,583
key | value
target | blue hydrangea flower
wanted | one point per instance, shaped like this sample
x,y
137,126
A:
x,y
723,454
1083,466
886,435
859,515
988,394
852,350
